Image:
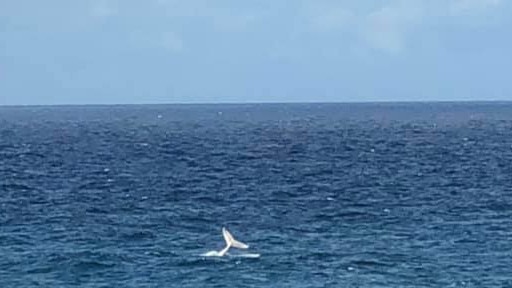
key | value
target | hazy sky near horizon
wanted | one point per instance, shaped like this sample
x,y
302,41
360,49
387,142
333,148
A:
x,y
174,51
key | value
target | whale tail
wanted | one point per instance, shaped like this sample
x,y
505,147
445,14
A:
x,y
231,242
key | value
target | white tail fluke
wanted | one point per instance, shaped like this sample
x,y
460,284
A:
x,y
231,242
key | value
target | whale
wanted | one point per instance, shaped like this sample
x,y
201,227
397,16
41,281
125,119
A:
x,y
230,242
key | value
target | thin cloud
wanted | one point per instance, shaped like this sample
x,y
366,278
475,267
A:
x,y
388,27
459,7
151,39
172,42
103,8
327,18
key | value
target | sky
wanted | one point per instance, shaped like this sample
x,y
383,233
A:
x,y
218,51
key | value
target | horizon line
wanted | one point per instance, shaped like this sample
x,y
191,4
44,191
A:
x,y
261,103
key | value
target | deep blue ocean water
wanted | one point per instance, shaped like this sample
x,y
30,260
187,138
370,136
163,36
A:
x,y
330,195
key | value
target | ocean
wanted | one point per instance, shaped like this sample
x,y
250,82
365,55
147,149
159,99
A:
x,y
330,195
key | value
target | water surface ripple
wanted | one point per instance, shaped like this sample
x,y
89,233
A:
x,y
331,195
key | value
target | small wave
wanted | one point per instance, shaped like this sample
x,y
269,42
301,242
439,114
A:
x,y
94,185
16,187
92,265
214,254
246,255
368,263
40,270
97,210
138,235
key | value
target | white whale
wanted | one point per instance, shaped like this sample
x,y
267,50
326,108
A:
x,y
230,242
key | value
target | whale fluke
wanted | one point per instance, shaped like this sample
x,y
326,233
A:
x,y
230,240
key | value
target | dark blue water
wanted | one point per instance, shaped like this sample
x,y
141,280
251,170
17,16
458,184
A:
x,y
330,195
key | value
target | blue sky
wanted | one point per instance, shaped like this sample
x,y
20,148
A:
x,y
195,51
